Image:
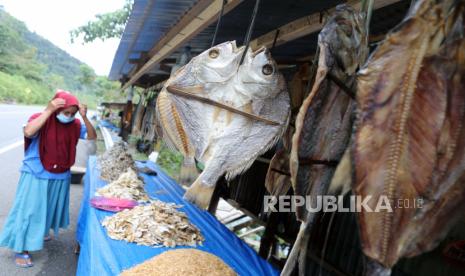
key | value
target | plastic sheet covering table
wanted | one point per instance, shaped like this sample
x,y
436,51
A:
x,y
101,255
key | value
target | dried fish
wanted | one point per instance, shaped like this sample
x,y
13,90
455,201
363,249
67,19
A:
x,y
410,136
155,224
223,114
115,161
127,186
181,262
324,122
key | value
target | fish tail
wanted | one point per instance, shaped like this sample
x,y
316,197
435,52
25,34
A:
x,y
188,172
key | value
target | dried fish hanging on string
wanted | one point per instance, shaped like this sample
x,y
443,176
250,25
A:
x,y
410,134
155,224
324,122
115,161
181,262
222,113
127,186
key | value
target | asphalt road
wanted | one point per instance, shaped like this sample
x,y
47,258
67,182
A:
x,y
57,257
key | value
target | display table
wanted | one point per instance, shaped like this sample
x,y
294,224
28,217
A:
x,y
101,255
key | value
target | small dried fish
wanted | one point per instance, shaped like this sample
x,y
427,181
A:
x,y
127,186
156,224
182,262
115,161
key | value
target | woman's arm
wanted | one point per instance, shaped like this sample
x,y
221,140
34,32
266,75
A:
x,y
35,125
91,133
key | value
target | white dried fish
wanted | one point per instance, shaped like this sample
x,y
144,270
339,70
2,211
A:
x,y
127,186
222,113
115,161
156,224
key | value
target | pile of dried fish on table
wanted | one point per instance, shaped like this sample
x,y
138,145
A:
x,y
181,262
127,186
223,113
115,161
410,134
155,224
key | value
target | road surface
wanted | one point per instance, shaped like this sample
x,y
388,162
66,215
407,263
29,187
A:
x,y
57,257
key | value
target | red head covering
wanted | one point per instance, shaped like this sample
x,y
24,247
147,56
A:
x,y
57,144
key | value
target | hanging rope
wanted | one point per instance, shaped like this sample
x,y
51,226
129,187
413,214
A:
x,y
220,16
250,30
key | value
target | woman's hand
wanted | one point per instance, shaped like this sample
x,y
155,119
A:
x,y
83,110
55,104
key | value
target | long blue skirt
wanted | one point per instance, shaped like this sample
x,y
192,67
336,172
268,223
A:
x,y
40,205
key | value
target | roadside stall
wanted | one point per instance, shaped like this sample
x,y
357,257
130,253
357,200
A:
x,y
298,99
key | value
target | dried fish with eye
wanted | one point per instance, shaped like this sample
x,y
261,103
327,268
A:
x,y
156,224
115,161
127,186
222,113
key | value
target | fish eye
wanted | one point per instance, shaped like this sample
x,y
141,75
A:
x,y
214,53
267,69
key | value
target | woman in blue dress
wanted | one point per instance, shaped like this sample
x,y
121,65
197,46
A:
x,y
42,195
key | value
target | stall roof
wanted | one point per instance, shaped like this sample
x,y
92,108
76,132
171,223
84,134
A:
x,y
148,21
151,20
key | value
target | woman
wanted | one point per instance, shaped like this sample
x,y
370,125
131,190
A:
x,y
42,196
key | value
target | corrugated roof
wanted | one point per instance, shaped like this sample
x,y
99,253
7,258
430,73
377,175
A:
x,y
148,21
271,15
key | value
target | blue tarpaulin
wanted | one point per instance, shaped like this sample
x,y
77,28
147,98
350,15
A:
x,y
108,124
102,256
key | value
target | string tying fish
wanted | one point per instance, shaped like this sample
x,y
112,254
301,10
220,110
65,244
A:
x,y
182,93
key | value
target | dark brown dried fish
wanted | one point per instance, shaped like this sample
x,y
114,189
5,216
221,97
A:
x,y
324,122
410,137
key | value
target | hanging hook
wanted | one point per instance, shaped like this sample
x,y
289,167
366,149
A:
x,y
249,31
220,16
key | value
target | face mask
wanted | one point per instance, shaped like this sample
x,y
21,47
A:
x,y
65,119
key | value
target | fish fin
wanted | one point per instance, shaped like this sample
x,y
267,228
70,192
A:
x,y
199,194
342,179
188,172
173,126
248,163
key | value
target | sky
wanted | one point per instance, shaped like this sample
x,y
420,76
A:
x,y
53,19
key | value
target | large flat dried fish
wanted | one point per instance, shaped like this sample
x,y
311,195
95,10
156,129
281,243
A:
x,y
223,114
410,137
324,122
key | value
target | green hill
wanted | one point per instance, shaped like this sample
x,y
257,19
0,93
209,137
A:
x,y
31,68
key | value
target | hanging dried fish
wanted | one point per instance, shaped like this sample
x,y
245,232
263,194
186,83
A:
x,y
155,224
410,136
127,186
223,114
115,161
324,122
278,177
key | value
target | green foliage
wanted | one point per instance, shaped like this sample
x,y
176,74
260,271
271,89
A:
x,y
32,68
87,75
108,25
19,89
170,161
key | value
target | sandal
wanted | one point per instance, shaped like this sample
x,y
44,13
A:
x,y
25,257
47,238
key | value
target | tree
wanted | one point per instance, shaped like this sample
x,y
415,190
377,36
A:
x,y
106,26
87,76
